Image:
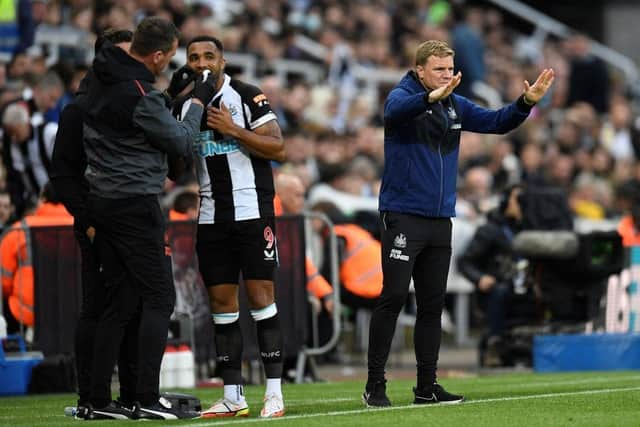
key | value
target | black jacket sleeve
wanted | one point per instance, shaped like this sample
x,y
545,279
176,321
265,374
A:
x,y
472,264
69,163
162,130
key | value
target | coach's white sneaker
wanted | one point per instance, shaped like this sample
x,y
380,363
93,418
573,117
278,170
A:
x,y
273,406
226,408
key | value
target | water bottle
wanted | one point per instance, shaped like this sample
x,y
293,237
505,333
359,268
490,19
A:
x,y
185,367
70,411
168,368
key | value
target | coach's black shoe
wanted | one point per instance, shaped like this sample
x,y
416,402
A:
x,y
435,394
113,411
162,410
375,395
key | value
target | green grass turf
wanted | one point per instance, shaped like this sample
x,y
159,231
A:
x,y
514,400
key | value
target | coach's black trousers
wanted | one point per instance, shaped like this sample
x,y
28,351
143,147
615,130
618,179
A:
x,y
130,233
418,247
94,296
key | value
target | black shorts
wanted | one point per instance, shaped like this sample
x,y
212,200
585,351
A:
x,y
228,248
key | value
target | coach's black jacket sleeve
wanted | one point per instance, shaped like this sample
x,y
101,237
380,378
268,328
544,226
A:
x,y
162,130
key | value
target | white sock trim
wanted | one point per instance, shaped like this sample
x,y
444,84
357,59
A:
x,y
225,318
234,393
264,313
274,386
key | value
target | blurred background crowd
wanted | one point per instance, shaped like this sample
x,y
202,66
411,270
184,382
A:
x,y
583,138
326,67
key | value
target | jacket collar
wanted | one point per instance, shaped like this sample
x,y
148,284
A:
x,y
411,82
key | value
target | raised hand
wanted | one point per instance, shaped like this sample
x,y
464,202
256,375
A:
x,y
444,91
205,87
220,119
534,93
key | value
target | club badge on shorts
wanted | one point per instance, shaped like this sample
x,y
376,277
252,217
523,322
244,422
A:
x,y
270,250
400,241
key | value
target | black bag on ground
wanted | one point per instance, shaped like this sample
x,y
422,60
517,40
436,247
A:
x,y
55,374
183,402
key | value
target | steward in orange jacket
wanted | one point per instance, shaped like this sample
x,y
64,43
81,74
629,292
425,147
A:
x,y
629,232
361,265
15,259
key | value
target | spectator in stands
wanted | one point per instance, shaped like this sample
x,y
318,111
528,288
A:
x,y
469,46
423,121
185,206
295,104
590,197
28,142
588,75
289,200
6,210
629,225
359,256
560,171
531,161
16,27
490,263
300,149
616,133
475,196
272,88
19,67
15,256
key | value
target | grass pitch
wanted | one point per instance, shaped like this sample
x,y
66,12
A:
x,y
576,399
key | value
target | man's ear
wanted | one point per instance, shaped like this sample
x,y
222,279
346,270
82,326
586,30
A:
x,y
157,56
420,70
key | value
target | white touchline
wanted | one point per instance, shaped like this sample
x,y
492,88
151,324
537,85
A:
x,y
487,383
332,399
417,407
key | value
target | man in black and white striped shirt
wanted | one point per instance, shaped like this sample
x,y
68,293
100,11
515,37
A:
x,y
238,139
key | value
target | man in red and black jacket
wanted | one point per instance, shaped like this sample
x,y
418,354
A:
x,y
127,134
67,176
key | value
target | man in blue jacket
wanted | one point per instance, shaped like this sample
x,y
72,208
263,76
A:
x,y
423,120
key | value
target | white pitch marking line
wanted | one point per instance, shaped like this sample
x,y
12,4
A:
x,y
399,408
502,385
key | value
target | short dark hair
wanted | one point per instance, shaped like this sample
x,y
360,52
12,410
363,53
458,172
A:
x,y
153,34
113,36
506,195
211,39
185,201
49,194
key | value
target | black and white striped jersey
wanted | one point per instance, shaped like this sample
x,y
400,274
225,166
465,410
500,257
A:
x,y
234,184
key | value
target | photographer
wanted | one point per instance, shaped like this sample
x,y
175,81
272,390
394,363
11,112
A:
x,y
490,263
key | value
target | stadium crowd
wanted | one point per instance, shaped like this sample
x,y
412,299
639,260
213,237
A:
x,y
582,137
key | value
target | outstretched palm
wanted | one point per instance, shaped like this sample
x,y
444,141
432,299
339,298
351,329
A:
x,y
444,91
534,93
